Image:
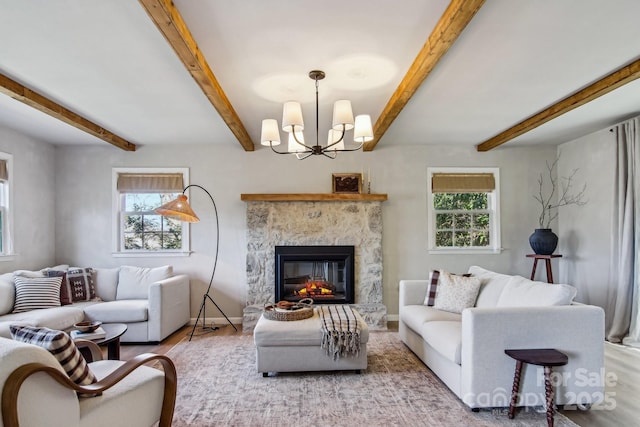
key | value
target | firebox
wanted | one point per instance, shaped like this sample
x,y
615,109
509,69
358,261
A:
x,y
322,273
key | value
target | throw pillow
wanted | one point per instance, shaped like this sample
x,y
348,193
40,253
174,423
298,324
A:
x,y
65,290
434,279
60,345
81,284
134,282
521,292
455,293
36,292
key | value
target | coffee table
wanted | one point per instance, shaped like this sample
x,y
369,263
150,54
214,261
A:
x,y
111,340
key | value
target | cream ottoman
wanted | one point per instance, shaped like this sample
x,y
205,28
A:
x,y
294,346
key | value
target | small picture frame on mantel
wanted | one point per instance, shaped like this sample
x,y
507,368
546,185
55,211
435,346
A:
x,y
349,183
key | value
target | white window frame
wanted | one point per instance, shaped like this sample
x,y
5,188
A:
x,y
117,226
6,206
494,208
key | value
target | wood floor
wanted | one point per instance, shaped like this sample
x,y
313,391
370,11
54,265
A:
x,y
622,387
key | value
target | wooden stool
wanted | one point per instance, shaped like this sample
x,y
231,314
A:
x,y
546,357
547,261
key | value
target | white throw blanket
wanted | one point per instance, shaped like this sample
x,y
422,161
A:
x,y
340,330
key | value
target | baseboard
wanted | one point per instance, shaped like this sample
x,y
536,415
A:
x,y
393,317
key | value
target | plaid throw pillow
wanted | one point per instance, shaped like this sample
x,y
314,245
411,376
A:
x,y
60,345
433,287
81,284
36,292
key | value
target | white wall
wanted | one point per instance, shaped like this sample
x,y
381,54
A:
x,y
585,231
34,201
83,215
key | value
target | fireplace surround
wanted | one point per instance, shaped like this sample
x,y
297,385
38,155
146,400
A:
x,y
315,220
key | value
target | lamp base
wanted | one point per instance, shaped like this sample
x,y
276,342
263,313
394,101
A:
x,y
203,313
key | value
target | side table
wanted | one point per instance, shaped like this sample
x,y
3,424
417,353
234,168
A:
x,y
546,357
111,340
547,261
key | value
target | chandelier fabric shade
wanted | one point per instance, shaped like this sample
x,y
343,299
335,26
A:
x,y
293,125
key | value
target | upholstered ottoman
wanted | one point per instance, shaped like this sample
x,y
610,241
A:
x,y
295,346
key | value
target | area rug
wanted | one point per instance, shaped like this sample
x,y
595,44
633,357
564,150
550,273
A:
x,y
218,385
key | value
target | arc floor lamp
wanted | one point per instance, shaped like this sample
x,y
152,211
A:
x,y
179,208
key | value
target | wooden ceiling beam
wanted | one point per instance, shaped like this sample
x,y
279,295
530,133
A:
x,y
451,24
45,105
170,23
618,78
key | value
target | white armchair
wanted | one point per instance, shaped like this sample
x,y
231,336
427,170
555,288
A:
x,y
36,391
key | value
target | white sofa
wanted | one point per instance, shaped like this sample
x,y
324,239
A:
x,y
153,303
466,351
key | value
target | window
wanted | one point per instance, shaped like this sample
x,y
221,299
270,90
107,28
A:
x,y
138,229
463,210
6,209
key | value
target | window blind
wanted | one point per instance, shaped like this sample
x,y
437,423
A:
x,y
462,183
150,183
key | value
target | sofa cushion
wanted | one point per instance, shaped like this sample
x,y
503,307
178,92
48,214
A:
x,y
59,318
124,311
414,316
455,293
491,285
445,337
521,292
106,283
7,293
134,282
81,282
37,292
61,346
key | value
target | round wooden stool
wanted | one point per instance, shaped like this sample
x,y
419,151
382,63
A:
x,y
546,357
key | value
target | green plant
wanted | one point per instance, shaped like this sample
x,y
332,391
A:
x,y
559,194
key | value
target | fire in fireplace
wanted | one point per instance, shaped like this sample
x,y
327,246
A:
x,y
322,273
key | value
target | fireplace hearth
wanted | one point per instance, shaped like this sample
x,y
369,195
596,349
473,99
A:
x,y
322,273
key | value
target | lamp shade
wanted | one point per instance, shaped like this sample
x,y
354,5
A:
x,y
334,135
178,208
292,116
270,132
293,146
342,115
363,131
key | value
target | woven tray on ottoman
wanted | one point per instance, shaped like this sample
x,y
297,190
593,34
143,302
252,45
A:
x,y
288,311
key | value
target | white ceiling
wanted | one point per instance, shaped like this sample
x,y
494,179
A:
x,y
107,61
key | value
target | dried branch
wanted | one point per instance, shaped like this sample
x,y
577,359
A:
x,y
549,207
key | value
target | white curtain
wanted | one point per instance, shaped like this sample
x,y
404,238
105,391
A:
x,y
623,322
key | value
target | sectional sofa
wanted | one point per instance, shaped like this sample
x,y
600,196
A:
x,y
466,350
152,302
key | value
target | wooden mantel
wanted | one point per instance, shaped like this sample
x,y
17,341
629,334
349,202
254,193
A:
x,y
313,197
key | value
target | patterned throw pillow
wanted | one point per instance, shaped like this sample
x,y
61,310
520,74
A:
x,y
455,293
60,345
433,287
81,284
65,290
36,292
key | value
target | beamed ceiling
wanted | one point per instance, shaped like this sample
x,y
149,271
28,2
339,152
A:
x,y
467,72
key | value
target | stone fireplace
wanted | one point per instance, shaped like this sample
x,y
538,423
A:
x,y
315,220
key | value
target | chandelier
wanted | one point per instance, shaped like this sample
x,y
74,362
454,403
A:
x,y
292,124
